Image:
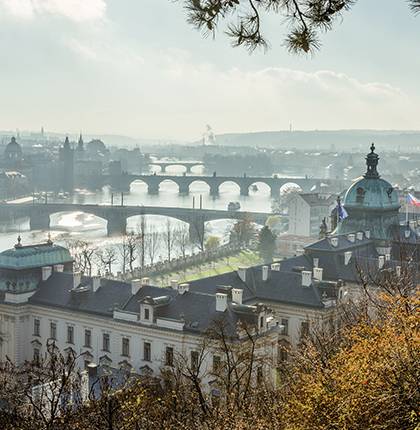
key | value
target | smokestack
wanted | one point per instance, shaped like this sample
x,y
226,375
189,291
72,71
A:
x,y
135,286
96,283
46,272
264,273
237,295
306,278
221,302
242,273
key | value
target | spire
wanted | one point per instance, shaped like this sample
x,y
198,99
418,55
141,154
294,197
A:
x,y
19,240
372,162
80,143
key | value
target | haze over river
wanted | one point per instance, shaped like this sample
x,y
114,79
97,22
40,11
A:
x,y
77,225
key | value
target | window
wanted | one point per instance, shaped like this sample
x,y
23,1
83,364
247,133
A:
x,y
259,375
53,331
146,314
285,324
283,354
37,355
70,334
105,342
37,327
216,363
304,329
125,347
194,360
147,351
88,338
262,322
169,356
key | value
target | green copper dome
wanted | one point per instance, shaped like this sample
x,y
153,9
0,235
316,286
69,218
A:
x,y
371,203
370,191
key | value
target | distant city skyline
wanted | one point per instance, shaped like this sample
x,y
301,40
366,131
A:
x,y
112,67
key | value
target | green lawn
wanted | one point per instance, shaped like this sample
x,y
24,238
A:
x,y
243,258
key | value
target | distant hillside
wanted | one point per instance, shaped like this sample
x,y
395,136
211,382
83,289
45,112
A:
x,y
323,139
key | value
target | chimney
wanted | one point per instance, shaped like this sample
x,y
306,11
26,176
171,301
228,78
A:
x,y
174,284
237,295
359,235
59,268
315,261
221,302
136,284
77,279
145,282
381,261
183,288
398,271
334,242
306,278
96,283
347,257
318,273
264,273
351,237
242,273
46,272
92,369
275,267
367,234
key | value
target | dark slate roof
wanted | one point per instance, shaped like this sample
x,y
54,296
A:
x,y
56,292
281,286
343,244
198,310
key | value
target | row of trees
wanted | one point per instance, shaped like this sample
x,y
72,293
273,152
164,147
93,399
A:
x,y
145,245
137,248
358,370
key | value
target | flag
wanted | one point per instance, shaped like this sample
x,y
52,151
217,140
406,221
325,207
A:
x,y
342,213
411,200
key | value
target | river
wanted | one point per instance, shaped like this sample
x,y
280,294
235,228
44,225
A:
x,y
77,225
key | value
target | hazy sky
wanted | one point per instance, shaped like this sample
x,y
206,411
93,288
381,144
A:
x,y
136,67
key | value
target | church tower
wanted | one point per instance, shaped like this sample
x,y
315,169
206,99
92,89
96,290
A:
x,y
67,166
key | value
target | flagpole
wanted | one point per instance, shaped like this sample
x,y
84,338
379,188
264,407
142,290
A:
x,y
406,209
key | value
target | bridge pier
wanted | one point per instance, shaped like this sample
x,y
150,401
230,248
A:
x,y
119,184
116,225
244,190
39,221
184,189
214,190
196,231
188,167
274,192
163,168
153,189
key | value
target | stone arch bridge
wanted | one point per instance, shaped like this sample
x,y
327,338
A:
x,y
164,164
122,182
116,216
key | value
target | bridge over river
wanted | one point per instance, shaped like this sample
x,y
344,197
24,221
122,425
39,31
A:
x,y
122,182
116,216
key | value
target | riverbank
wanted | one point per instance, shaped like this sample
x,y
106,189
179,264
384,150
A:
x,y
213,268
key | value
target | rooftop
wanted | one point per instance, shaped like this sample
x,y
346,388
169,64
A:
x,y
31,256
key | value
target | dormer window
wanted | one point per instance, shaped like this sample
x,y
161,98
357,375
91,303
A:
x,y
147,314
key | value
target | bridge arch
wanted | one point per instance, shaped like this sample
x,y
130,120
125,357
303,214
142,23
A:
x,y
77,220
139,184
262,187
199,185
289,187
228,185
